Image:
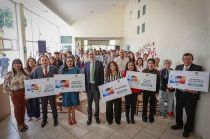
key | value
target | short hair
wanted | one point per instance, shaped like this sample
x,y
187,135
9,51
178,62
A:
x,y
151,59
167,60
44,56
188,54
56,53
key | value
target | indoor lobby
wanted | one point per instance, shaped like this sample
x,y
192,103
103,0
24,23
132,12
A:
x,y
164,29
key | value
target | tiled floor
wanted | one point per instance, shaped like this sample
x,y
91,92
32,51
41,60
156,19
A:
x,y
160,129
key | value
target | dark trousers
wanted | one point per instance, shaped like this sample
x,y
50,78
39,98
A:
x,y
93,94
33,107
130,103
148,97
187,101
19,102
44,101
117,110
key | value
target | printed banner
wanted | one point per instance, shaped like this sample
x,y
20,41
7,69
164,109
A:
x,y
115,89
39,87
191,80
69,83
143,81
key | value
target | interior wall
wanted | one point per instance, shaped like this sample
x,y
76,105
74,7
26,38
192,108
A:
x,y
106,24
176,27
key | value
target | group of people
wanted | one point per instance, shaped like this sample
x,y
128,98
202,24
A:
x,y
100,67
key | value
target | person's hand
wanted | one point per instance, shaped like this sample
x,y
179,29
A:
x,y
191,91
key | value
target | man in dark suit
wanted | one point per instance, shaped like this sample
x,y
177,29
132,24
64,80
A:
x,y
46,71
94,77
186,98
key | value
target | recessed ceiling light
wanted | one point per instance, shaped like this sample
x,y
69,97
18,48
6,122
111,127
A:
x,y
91,12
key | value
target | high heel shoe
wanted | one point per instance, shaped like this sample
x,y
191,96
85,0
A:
x,y
70,121
74,121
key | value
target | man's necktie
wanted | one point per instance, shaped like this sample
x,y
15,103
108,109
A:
x,y
45,72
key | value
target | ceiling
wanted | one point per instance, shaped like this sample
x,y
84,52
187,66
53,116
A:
x,y
74,10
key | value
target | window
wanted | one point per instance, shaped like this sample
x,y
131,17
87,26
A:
x,y
138,14
138,29
143,28
66,39
144,9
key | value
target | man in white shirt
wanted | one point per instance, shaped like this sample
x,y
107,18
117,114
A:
x,y
121,60
145,57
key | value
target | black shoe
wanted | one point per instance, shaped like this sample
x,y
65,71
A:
x,y
109,123
151,120
176,127
118,122
43,123
186,134
89,121
55,123
144,120
132,121
128,120
98,121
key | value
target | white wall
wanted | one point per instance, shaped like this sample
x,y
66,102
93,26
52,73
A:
x,y
176,27
106,24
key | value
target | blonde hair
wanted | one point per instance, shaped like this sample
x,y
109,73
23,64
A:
x,y
167,60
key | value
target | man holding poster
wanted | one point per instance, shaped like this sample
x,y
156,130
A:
x,y
186,98
46,71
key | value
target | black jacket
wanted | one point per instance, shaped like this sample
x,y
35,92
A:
x,y
164,75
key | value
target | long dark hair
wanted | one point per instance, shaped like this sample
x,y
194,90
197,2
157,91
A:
x,y
65,67
141,60
131,59
17,61
28,68
126,68
108,70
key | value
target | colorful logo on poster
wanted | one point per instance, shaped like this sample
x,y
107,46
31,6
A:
x,y
178,79
107,92
62,84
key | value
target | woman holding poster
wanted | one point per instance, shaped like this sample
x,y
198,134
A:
x,y
130,100
33,104
14,85
150,95
113,73
70,99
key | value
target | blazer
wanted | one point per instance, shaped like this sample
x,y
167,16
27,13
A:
x,y
193,67
38,72
98,75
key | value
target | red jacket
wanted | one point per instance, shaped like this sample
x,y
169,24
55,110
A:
x,y
134,90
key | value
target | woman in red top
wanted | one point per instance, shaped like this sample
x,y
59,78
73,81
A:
x,y
130,100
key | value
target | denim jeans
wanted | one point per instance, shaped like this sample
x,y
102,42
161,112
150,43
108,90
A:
x,y
163,96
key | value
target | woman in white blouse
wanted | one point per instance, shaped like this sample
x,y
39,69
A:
x,y
14,85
